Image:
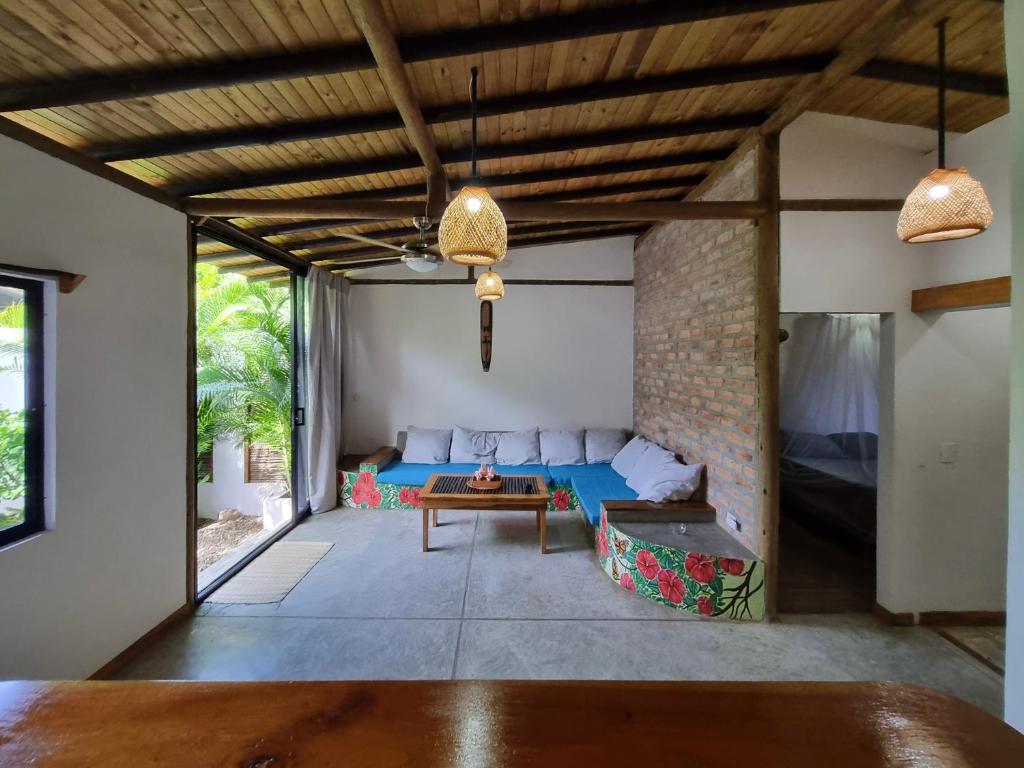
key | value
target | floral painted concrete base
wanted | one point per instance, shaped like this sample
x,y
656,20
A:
x,y
701,583
361,489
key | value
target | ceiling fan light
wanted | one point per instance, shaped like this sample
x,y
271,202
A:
x,y
473,230
489,286
420,264
947,204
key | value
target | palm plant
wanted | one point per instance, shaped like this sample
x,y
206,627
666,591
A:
x,y
243,350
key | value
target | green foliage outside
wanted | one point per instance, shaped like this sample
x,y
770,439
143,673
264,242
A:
x,y
243,354
12,423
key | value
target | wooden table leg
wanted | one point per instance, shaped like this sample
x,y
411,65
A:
x,y
538,519
434,513
542,513
426,515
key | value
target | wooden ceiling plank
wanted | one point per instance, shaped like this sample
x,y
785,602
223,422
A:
x,y
588,23
634,135
373,122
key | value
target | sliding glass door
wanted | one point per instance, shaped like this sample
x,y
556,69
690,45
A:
x,y
249,353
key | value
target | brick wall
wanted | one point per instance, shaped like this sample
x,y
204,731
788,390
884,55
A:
x,y
694,388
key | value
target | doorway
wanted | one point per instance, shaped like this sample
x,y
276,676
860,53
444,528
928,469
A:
x,y
828,467
249,359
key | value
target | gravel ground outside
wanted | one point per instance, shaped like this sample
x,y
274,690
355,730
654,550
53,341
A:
x,y
217,539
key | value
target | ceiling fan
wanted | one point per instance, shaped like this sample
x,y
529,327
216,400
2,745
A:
x,y
418,255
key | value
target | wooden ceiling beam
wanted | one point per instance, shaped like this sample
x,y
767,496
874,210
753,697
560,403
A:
x,y
618,136
650,185
360,250
695,157
373,22
229,234
894,19
346,58
704,77
514,210
907,73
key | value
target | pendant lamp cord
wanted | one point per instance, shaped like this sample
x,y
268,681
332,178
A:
x,y
472,111
941,26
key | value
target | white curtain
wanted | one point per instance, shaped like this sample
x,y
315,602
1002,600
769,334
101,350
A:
x,y
830,374
829,393
324,382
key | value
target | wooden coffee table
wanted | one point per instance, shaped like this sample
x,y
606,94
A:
x,y
518,492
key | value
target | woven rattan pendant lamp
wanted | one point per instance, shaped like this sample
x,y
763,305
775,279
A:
x,y
472,229
489,286
948,203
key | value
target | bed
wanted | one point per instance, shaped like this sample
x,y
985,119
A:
x,y
828,484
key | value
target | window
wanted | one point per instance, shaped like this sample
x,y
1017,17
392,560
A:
x,y
21,408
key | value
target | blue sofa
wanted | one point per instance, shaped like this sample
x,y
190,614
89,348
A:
x,y
592,483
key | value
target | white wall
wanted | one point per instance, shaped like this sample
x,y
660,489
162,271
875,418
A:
x,y
1014,23
563,355
229,489
942,527
114,564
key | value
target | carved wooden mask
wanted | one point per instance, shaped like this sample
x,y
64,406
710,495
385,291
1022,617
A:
x,y
486,333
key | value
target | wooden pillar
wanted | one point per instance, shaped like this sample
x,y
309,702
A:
x,y
767,365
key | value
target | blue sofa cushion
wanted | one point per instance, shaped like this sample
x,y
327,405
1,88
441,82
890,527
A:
x,y
406,473
564,474
593,490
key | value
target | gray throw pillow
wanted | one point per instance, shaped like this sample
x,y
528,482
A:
x,y
473,446
427,446
517,448
672,482
559,447
603,444
625,459
647,466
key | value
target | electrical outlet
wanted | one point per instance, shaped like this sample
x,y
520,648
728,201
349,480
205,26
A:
x,y
947,453
732,521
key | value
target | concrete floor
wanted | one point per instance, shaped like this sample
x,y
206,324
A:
x,y
484,603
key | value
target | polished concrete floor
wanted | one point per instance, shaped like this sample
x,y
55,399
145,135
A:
x,y
484,603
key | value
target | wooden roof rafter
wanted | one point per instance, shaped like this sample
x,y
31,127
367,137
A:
x,y
454,42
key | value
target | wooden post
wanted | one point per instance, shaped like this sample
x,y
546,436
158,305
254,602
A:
x,y
767,365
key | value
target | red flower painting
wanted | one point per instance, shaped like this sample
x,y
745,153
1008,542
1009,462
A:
x,y
731,566
410,496
705,606
626,582
647,564
364,491
602,544
671,586
700,568
561,499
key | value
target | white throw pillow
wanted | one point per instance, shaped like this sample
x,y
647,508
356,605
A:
x,y
647,466
604,444
558,447
473,446
673,482
427,446
518,448
626,458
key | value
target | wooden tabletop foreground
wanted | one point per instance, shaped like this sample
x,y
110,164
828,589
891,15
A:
x,y
279,725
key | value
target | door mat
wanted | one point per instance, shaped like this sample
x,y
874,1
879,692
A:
x,y
272,575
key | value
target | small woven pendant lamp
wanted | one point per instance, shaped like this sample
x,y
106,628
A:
x,y
472,229
948,203
489,286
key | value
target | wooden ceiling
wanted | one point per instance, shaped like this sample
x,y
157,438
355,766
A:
x,y
579,99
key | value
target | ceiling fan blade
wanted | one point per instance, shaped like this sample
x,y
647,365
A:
x,y
371,241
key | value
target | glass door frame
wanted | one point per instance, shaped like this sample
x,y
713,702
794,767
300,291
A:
x,y
300,502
